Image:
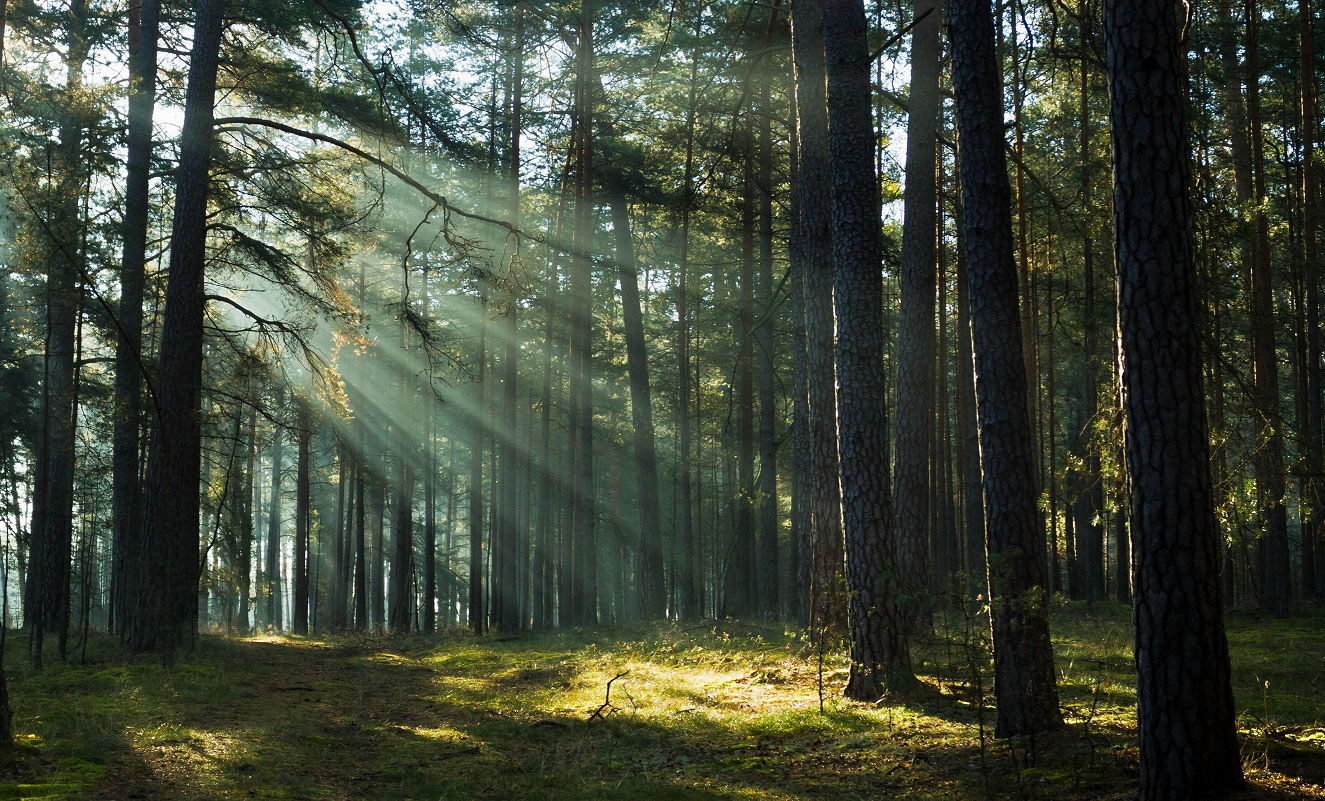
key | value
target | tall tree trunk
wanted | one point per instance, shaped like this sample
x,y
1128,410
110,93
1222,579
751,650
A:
x,y
274,606
1024,681
47,609
477,618
584,590
245,566
1090,506
811,248
1185,708
977,569
338,586
1313,534
880,654
689,606
802,516
649,579
169,582
915,332
1269,442
302,518
767,578
126,492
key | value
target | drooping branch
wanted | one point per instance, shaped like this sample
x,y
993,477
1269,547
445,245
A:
x,y
441,201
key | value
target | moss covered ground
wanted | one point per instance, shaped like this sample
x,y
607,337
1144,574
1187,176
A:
x,y
725,710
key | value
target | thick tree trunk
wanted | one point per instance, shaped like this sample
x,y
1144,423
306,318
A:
x,y
169,581
126,492
1024,681
915,332
880,655
1185,710
811,248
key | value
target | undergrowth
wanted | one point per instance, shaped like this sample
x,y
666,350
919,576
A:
x,y
713,710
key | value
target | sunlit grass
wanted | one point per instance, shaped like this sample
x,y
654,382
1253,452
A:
x,y
703,711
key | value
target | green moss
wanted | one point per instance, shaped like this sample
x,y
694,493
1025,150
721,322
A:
x,y
721,711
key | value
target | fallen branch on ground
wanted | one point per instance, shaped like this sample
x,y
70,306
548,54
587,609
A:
x,y
607,701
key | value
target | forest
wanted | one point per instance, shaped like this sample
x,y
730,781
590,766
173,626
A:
x,y
413,399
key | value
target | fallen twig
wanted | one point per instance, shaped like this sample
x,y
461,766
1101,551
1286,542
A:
x,y
607,701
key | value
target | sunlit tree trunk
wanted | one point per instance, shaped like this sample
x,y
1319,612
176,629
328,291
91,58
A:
x,y
273,589
915,332
880,654
811,247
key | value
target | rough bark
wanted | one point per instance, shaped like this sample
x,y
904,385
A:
x,y
811,247
1185,709
880,655
915,330
126,492
1024,683
163,613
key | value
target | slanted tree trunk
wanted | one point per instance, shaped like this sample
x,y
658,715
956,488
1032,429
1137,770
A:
x,y
649,578
169,581
1024,682
915,330
1185,710
880,654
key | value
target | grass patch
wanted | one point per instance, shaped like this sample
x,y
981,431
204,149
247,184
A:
x,y
714,711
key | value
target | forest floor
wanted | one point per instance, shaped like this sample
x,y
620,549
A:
x,y
708,711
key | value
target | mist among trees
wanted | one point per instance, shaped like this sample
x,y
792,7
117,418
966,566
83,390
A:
x,y
409,399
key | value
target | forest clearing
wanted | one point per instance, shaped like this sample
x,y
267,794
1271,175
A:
x,y
699,399
704,711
